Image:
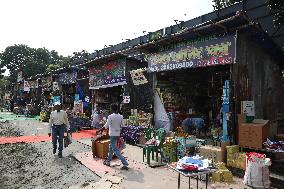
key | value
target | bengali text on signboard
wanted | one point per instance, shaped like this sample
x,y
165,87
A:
x,y
218,51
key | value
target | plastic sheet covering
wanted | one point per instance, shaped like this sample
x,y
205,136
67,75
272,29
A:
x,y
161,118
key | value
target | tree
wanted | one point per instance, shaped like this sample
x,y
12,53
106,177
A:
x,y
219,4
31,61
277,7
16,58
80,57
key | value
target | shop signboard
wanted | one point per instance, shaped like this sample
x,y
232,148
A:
x,y
68,78
107,75
216,51
225,109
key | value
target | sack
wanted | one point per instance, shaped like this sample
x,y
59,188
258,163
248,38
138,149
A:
x,y
257,171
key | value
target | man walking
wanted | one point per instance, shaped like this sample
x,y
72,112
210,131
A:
x,y
57,122
114,123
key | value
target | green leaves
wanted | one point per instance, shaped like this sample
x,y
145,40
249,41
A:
x,y
277,8
219,4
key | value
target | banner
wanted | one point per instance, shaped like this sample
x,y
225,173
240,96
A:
x,y
27,86
138,77
160,117
20,76
107,75
68,78
217,51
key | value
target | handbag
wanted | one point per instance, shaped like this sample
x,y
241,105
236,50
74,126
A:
x,y
67,139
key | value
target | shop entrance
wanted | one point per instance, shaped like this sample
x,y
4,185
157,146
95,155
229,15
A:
x,y
104,97
193,93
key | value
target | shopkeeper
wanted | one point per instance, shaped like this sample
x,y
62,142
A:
x,y
190,125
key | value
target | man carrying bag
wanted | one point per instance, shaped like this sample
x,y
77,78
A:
x,y
57,124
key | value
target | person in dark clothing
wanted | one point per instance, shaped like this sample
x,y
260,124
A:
x,y
12,105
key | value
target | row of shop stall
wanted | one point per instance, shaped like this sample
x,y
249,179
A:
x,y
219,86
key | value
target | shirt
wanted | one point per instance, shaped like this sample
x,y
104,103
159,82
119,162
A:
x,y
114,123
58,118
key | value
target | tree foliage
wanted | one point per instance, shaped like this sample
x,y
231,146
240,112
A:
x,y
219,4
32,61
277,7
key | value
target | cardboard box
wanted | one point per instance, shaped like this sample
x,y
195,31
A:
x,y
223,175
215,153
252,135
102,147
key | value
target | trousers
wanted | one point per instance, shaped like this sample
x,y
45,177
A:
x,y
58,135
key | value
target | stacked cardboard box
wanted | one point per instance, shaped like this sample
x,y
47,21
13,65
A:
x,y
252,135
235,158
215,153
222,174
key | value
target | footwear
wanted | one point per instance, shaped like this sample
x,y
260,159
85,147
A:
x,y
54,150
124,168
107,163
60,155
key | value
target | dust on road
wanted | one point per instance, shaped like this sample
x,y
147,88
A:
x,y
34,166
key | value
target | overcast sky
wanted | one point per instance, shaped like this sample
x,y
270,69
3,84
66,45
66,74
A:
x,y
74,25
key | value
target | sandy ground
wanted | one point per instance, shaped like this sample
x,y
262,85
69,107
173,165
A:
x,y
34,166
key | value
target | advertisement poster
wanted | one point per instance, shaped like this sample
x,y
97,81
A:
x,y
107,75
55,86
56,99
78,107
126,99
68,78
27,86
216,51
138,77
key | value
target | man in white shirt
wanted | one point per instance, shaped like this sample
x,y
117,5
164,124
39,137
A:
x,y
57,122
114,124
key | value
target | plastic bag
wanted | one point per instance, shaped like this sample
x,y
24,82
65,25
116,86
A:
x,y
257,170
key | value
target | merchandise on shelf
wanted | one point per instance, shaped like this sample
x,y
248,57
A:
x,y
132,133
276,146
170,149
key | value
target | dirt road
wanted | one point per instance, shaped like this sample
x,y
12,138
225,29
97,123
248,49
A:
x,y
32,165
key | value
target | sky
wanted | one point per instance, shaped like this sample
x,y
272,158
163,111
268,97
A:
x,y
68,26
